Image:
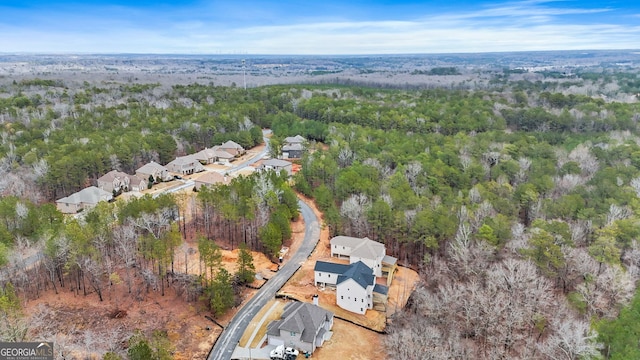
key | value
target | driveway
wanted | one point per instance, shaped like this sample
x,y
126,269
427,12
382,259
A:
x,y
230,337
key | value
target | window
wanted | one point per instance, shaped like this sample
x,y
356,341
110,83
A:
x,y
292,333
355,299
361,310
341,297
319,274
329,275
362,300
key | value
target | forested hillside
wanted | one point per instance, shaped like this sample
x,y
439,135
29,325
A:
x,y
518,203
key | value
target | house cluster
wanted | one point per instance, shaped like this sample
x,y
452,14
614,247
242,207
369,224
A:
x,y
302,326
357,285
221,154
115,181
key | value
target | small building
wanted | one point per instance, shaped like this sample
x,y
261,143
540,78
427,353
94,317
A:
x,y
359,249
210,178
157,171
83,199
185,165
232,148
302,326
277,165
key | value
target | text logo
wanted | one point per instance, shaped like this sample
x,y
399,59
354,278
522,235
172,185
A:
x,y
26,351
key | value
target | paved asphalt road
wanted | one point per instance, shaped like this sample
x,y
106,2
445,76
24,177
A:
x,y
230,336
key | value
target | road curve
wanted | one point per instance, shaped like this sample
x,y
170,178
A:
x,y
226,343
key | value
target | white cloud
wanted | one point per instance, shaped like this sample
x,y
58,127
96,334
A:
x,y
513,26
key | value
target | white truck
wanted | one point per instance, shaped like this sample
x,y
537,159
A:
x,y
283,353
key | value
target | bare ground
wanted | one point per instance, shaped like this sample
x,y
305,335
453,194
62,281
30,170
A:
x,y
86,327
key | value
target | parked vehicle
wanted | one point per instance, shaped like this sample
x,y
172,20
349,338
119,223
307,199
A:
x,y
283,353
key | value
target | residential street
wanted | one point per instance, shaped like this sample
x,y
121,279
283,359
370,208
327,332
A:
x,y
231,335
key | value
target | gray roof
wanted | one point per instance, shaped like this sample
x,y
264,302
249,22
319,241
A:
x,y
112,175
300,317
380,289
294,139
184,160
212,177
294,147
231,145
348,241
368,249
387,259
205,154
360,273
276,163
364,248
221,153
151,168
330,267
90,195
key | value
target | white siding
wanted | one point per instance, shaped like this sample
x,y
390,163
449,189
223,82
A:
x,y
325,278
339,250
352,297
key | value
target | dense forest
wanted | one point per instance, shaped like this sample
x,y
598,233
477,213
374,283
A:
x,y
518,204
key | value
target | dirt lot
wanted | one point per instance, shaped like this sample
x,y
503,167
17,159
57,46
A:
x,y
86,327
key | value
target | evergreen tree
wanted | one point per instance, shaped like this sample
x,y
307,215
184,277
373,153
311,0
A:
x,y
246,270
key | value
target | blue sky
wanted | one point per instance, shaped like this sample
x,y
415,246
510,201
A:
x,y
321,27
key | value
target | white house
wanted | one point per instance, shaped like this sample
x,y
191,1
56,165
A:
x,y
356,249
354,289
302,326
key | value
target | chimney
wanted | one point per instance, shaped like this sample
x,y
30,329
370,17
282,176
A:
x,y
315,299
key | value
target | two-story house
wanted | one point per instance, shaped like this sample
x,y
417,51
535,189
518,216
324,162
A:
x,y
302,326
359,249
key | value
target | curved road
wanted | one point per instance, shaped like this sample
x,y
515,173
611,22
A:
x,y
226,343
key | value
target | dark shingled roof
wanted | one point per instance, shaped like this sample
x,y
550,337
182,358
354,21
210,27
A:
x,y
381,289
302,318
330,267
360,273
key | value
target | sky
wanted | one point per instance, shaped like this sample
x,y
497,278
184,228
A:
x,y
316,27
